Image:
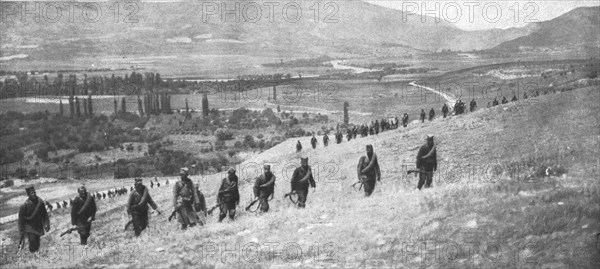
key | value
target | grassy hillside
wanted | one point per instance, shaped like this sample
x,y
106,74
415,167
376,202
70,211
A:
x,y
516,187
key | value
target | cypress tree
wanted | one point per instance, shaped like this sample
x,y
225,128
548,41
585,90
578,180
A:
x,y
346,118
123,105
205,109
90,107
77,108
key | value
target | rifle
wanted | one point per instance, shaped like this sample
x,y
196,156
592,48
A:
x,y
361,181
21,243
251,204
174,213
127,224
215,207
415,171
70,230
291,195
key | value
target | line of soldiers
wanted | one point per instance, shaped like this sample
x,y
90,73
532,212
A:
x,y
188,201
514,99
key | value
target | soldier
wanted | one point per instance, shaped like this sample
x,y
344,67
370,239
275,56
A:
x,y
431,114
495,102
445,110
514,99
301,179
338,137
405,119
137,206
49,206
151,184
313,141
83,212
504,101
264,187
423,115
325,140
472,105
229,195
426,162
33,219
298,146
376,127
348,134
368,170
185,199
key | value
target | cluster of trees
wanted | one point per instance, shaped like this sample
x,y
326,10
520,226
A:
x,y
24,85
50,133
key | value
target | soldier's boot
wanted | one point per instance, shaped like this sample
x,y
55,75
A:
x,y
221,217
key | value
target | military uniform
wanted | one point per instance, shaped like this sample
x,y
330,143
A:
x,y
301,179
82,211
229,194
368,170
185,198
33,219
427,163
137,207
264,186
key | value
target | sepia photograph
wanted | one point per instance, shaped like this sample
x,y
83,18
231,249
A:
x,y
299,134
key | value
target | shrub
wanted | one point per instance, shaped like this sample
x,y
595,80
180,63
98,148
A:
x,y
21,173
238,144
223,134
9,183
32,173
220,145
249,141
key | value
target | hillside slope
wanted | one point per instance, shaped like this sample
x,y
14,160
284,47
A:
x,y
516,186
575,30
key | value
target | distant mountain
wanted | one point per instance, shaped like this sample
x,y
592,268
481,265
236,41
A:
x,y
578,29
346,29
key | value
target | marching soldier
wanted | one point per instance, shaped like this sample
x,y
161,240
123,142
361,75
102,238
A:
x,y
514,99
229,195
264,186
405,119
504,101
83,212
426,162
137,206
368,170
423,115
472,105
298,146
313,142
325,140
431,114
445,110
301,179
185,199
33,219
495,102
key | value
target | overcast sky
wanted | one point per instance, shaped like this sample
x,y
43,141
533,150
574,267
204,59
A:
x,y
478,15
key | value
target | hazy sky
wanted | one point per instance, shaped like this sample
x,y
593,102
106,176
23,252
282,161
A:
x,y
478,15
